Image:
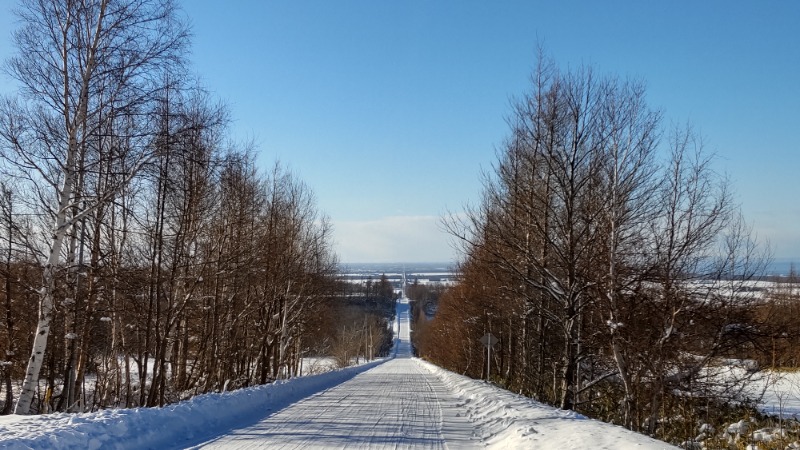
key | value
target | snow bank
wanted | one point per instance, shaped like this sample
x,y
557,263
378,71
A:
x,y
500,419
177,425
503,419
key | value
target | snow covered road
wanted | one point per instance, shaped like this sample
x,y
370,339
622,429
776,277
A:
x,y
395,405
398,404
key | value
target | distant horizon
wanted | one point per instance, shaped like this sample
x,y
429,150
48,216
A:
x,y
781,266
777,266
399,263
396,262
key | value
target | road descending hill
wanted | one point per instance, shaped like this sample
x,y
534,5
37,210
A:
x,y
399,403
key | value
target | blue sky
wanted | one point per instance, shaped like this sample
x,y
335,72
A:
x,y
390,110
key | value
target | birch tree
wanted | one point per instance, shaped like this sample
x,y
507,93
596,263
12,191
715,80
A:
x,y
80,64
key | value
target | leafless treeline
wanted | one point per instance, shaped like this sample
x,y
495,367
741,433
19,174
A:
x,y
150,256
362,328
608,257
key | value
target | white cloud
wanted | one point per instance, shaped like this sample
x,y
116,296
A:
x,y
393,239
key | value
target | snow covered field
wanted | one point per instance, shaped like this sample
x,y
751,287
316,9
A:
x,y
401,402
781,394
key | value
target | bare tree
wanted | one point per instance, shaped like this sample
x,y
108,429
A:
x,y
539,217
12,236
629,173
616,279
80,63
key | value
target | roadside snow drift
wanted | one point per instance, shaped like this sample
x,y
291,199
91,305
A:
x,y
173,426
503,419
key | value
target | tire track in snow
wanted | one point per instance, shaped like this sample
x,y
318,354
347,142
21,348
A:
x,y
398,404
395,405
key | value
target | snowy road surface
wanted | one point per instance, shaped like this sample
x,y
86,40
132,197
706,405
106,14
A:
x,y
395,405
398,404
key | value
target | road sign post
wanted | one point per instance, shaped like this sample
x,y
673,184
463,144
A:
x,y
488,340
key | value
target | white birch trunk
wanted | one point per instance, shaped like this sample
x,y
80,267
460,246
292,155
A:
x,y
46,305
79,34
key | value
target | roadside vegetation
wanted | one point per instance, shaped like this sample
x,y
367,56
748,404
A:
x,y
145,258
356,322
609,258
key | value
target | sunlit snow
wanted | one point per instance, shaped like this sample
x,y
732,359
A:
x,y
398,402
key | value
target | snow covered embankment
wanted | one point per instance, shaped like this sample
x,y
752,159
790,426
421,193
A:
x,y
503,419
175,426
